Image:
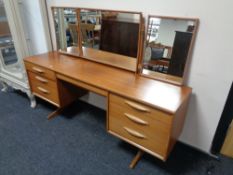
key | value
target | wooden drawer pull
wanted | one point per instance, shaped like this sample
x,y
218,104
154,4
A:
x,y
136,106
38,70
136,119
135,133
43,90
41,79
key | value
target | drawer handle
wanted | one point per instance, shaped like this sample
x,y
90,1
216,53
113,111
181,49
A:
x,y
135,133
136,119
136,106
43,90
41,79
38,70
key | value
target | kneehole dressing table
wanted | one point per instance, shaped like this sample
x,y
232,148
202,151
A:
x,y
141,110
146,113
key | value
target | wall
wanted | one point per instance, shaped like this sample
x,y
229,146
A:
x,y
211,70
167,30
33,26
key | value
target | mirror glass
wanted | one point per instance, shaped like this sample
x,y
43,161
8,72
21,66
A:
x,y
90,28
66,28
168,43
109,37
7,48
115,32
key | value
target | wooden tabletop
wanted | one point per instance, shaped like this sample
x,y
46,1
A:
x,y
164,96
116,60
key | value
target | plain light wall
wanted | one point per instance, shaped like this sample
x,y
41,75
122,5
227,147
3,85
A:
x,y
211,71
33,26
167,30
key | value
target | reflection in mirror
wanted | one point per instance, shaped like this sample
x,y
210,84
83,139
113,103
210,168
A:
x,y
90,28
168,45
120,33
115,32
7,49
109,37
66,27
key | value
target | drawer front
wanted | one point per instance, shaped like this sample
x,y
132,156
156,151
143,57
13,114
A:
x,y
44,88
40,71
145,112
134,126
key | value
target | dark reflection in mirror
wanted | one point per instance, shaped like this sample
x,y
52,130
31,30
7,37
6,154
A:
x,y
120,33
168,45
114,32
66,27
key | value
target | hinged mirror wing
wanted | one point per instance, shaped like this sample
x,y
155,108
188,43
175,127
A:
x,y
169,43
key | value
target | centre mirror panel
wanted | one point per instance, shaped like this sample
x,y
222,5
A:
x,y
105,36
168,46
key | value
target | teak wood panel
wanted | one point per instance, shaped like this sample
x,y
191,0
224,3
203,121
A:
x,y
227,148
144,112
40,70
83,85
111,59
162,77
43,81
178,123
163,96
46,90
151,132
68,93
59,93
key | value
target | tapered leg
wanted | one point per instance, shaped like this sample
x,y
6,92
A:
x,y
136,159
32,99
5,86
55,113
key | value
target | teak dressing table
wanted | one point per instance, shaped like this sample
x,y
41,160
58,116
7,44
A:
x,y
141,110
146,113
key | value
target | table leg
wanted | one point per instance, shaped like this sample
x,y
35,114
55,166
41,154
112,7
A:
x,y
136,159
55,113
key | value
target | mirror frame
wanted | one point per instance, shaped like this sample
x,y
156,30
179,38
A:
x,y
124,64
166,77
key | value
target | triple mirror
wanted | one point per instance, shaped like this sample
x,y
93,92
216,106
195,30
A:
x,y
114,38
109,37
168,47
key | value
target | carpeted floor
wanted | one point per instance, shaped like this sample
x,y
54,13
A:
x,y
77,143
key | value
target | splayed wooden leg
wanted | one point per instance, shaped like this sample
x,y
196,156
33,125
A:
x,y
55,113
136,159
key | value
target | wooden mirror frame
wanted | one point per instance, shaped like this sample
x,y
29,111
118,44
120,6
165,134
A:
x,y
166,77
104,57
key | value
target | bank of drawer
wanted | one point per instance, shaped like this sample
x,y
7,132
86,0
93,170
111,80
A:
x,y
152,135
40,71
42,81
135,108
48,91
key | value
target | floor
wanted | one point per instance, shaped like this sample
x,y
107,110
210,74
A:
x,y
76,142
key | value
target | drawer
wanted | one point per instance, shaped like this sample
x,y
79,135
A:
x,y
47,91
40,71
141,130
145,112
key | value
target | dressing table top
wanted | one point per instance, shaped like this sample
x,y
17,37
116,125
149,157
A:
x,y
163,96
